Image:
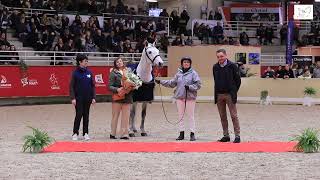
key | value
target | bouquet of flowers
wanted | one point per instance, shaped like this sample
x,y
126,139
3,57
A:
x,y
133,78
129,82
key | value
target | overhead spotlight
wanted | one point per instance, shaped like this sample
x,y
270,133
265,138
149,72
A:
x,y
152,0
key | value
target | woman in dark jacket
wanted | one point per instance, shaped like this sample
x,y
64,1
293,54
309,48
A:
x,y
123,105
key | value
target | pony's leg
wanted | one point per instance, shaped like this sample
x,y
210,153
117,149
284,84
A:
x,y
132,128
143,117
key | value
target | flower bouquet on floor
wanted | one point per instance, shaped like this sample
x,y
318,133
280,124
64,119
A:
x,y
129,82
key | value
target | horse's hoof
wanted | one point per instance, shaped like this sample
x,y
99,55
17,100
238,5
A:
x,y
144,134
131,135
135,131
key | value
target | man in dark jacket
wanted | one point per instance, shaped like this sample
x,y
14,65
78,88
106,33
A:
x,y
83,94
286,72
227,83
218,33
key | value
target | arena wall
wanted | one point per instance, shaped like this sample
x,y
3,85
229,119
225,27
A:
x,y
281,91
204,57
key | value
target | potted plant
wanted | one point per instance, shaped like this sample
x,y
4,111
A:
x,y
308,141
308,93
265,98
37,141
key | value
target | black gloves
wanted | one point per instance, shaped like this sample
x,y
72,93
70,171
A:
x,y
157,81
187,87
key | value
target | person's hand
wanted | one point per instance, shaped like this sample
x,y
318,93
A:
x,y
119,89
157,81
74,102
187,87
93,101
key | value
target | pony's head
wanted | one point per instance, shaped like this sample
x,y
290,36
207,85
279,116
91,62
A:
x,y
152,55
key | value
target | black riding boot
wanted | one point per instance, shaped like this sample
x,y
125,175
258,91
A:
x,y
181,136
192,137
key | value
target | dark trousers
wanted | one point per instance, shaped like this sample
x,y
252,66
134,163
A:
x,y
223,101
82,111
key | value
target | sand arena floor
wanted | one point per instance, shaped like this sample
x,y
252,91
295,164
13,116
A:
x,y
270,123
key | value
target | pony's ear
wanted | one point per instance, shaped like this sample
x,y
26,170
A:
x,y
154,44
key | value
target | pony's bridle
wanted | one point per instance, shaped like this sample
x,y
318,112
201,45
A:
x,y
152,60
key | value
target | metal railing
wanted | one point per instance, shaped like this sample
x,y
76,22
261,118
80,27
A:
x,y
276,60
251,26
273,60
234,28
98,58
61,58
29,11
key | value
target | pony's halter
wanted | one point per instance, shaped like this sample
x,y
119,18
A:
x,y
152,60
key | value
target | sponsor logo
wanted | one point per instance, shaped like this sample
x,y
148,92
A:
x,y
31,82
4,82
54,82
99,80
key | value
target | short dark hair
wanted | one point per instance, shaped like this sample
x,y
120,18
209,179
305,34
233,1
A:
x,y
80,57
222,51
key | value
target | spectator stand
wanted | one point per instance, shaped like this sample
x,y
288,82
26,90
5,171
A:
x,y
233,29
138,18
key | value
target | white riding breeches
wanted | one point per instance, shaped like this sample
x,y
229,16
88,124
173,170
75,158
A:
x,y
186,114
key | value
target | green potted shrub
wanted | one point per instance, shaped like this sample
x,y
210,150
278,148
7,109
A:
x,y
37,141
308,141
308,93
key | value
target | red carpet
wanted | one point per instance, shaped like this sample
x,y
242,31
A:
x,y
273,147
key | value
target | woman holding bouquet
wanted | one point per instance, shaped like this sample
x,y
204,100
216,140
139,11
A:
x,y
187,83
121,88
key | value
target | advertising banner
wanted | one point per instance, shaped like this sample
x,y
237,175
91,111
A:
x,y
302,60
255,12
45,81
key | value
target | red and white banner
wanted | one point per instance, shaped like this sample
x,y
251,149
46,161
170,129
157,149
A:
x,y
255,12
45,81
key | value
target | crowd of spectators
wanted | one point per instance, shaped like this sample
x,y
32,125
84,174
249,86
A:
x,y
8,54
46,32
8,51
82,6
89,6
293,71
265,35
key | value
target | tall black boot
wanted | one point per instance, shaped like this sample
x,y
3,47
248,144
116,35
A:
x,y
192,137
181,136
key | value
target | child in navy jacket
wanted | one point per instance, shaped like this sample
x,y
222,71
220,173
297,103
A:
x,y
83,94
